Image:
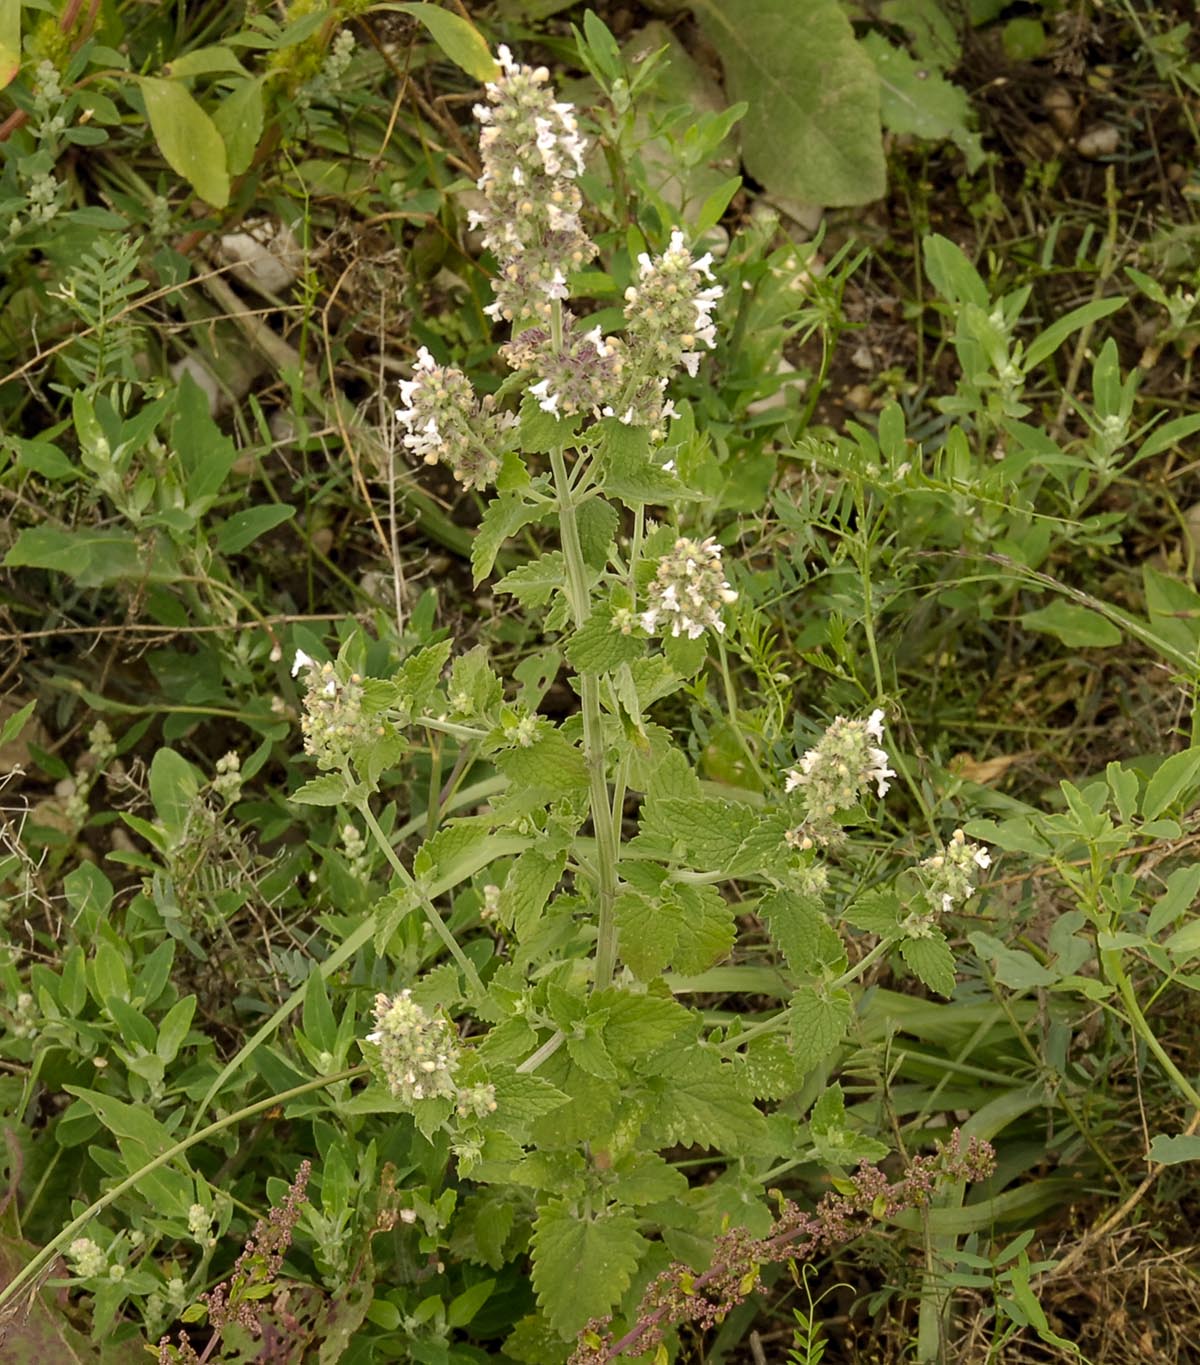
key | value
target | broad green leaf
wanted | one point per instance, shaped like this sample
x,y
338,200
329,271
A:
x,y
1183,886
330,789
173,1028
1175,780
630,470
598,646
931,960
44,459
951,274
812,128
917,99
532,584
459,39
582,1266
320,1027
503,517
551,764
1075,626
187,138
1184,944
174,785
1168,435
243,528
527,888
794,924
127,1120
597,522
203,61
818,1023
1170,1151
239,120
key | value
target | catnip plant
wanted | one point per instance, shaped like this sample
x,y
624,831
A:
x,y
563,1059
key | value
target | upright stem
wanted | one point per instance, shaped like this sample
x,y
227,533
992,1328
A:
x,y
607,848
1114,969
431,913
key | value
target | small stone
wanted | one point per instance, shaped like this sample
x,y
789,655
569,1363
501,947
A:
x,y
1101,139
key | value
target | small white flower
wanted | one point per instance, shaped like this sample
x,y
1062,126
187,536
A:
x,y
302,660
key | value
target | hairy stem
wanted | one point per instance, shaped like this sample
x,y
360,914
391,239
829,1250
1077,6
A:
x,y
607,848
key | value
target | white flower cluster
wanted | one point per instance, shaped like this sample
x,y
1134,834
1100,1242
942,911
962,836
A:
x,y
446,422
333,723
831,776
580,376
417,1055
532,153
667,313
228,781
688,591
949,876
87,1259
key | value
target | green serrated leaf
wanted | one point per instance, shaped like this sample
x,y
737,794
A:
x,y
418,676
599,647
330,789
710,831
531,881
647,933
918,100
533,583
582,1266
818,1024
597,522
504,516
550,765
794,924
931,960
629,470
